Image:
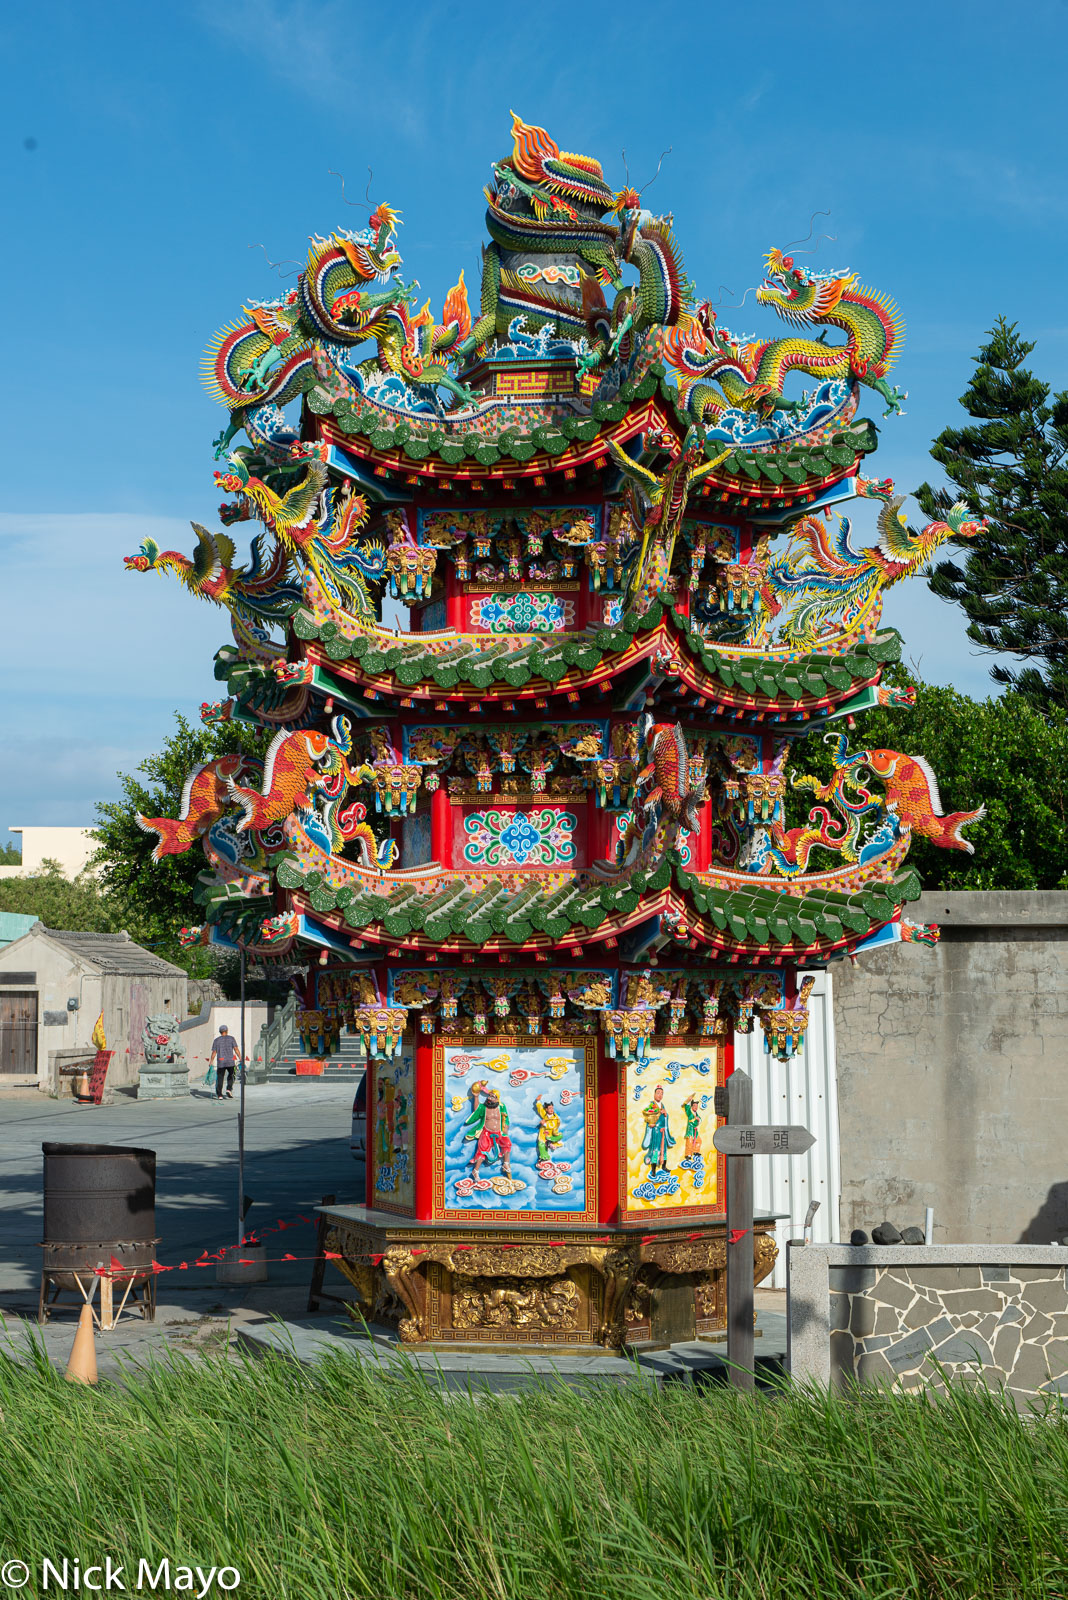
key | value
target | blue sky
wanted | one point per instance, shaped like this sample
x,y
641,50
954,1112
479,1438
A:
x,y
147,150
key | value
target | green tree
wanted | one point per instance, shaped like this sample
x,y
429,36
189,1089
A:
x,y
10,855
1011,467
998,753
77,904
159,894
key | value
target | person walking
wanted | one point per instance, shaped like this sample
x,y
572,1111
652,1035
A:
x,y
224,1057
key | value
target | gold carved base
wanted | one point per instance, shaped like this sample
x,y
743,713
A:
x,y
611,1289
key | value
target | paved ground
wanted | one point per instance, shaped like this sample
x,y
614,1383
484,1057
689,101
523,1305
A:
x,y
296,1151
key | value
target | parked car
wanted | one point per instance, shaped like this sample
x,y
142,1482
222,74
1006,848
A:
x,y
358,1144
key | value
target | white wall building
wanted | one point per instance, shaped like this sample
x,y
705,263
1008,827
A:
x,y
71,847
55,984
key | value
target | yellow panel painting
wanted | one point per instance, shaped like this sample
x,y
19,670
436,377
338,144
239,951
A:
x,y
670,1120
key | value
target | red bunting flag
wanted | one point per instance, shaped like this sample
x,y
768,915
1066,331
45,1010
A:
x,y
738,1233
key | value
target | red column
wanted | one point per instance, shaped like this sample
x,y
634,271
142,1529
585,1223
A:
x,y
701,843
372,1096
454,600
609,1135
601,835
440,828
426,1110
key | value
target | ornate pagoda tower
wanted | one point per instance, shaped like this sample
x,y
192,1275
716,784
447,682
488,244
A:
x,y
543,849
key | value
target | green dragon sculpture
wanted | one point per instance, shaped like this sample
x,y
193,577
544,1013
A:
x,y
659,298
544,221
276,354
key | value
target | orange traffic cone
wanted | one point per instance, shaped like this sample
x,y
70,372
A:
x,y
81,1368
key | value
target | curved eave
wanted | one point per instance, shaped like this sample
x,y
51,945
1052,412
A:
x,y
727,491
761,919
647,414
791,687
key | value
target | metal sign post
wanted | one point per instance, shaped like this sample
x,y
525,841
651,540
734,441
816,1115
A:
x,y
241,1122
740,1141
739,1239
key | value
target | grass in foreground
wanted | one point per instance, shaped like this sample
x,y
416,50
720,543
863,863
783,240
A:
x,y
338,1483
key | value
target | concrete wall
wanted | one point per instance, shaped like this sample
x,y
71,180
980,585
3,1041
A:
x,y
128,1001
953,1072
71,847
198,1032
896,1314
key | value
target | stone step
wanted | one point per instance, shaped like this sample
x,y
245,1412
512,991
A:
x,y
348,1061
336,1067
329,1075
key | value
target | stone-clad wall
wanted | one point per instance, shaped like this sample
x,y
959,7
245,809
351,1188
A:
x,y
892,1314
894,1322
952,1088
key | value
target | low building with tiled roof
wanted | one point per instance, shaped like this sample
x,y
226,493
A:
x,y
54,985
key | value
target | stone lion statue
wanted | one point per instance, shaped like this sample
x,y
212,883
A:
x,y
161,1040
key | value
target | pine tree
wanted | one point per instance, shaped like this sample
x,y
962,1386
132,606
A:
x,y
1011,467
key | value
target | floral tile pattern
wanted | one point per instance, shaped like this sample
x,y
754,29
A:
x,y
523,613
541,837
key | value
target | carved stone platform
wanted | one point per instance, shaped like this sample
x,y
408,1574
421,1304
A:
x,y
484,1283
163,1080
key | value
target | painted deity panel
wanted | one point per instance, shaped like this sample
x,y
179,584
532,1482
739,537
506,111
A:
x,y
392,1129
669,1162
513,1130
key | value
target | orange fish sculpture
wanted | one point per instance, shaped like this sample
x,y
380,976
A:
x,y
205,797
294,762
912,792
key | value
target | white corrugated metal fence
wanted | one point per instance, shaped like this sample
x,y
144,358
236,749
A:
x,y
803,1090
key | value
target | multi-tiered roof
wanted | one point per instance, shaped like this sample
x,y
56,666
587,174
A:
x,y
610,528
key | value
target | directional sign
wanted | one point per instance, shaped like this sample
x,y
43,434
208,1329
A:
x,y
743,1139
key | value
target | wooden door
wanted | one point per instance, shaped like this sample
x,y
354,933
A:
x,y
18,1033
